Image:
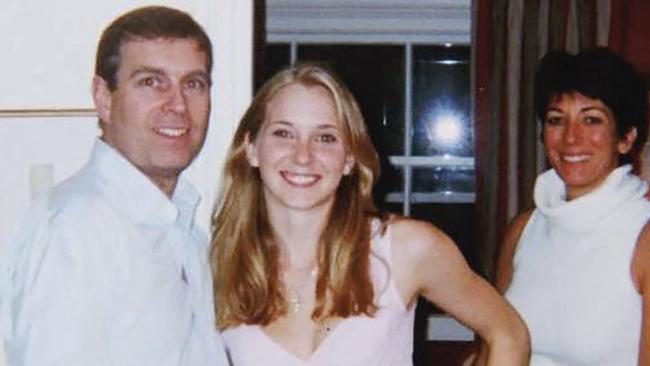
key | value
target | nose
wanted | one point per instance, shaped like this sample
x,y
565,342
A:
x,y
302,152
176,101
572,132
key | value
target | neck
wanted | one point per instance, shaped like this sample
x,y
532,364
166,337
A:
x,y
298,233
164,179
166,185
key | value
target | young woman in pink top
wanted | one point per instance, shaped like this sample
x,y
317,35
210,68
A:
x,y
306,271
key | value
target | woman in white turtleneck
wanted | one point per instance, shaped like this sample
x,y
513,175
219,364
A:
x,y
577,267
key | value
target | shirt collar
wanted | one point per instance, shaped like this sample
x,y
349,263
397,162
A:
x,y
134,193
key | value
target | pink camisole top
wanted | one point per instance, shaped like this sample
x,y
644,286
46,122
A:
x,y
386,339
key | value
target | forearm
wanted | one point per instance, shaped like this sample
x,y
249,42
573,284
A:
x,y
644,346
507,349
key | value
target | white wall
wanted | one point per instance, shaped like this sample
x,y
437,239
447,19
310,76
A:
x,y
47,63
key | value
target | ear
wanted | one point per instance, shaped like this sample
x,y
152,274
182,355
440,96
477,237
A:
x,y
626,143
349,164
102,96
251,152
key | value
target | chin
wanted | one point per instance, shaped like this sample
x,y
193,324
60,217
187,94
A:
x,y
177,163
309,204
582,183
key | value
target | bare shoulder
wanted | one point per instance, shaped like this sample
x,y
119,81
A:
x,y
417,238
641,260
423,257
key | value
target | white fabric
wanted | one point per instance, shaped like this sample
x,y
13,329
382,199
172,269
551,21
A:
x,y
572,281
383,340
107,270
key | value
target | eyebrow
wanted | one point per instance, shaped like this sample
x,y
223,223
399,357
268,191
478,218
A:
x,y
280,122
201,74
594,108
323,126
329,127
146,70
586,109
156,71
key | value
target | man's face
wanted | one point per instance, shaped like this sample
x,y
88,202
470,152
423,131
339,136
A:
x,y
157,116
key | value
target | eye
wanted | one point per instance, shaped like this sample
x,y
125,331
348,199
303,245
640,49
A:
x,y
150,81
592,120
327,138
196,84
282,133
553,120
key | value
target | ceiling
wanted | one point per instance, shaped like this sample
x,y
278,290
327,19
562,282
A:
x,y
367,21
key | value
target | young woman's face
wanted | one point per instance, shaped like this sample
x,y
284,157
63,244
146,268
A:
x,y
299,150
581,141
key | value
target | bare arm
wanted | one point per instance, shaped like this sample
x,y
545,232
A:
x,y
503,275
428,263
504,270
641,277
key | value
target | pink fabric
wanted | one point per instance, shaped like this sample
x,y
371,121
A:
x,y
383,340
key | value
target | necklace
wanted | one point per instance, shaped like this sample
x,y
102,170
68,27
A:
x,y
295,299
295,302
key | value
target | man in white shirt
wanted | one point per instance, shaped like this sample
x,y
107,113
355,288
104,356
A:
x,y
109,268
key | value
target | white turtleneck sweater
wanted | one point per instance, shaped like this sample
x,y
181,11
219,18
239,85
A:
x,y
572,280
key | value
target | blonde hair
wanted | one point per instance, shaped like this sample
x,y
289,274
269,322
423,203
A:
x,y
244,253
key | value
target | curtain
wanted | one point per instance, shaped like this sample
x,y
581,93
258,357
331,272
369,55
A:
x,y
510,36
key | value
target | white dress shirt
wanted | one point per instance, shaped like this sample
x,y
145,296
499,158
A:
x,y
106,270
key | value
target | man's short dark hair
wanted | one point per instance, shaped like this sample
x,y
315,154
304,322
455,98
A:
x,y
147,23
600,74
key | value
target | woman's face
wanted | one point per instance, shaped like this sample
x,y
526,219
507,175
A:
x,y
299,149
581,141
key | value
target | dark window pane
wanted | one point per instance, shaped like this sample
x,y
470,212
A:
x,y
441,103
375,75
389,192
276,56
444,179
395,208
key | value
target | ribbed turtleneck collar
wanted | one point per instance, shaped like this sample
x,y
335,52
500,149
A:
x,y
587,211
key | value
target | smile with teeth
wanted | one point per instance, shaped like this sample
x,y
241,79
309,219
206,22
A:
x,y
575,158
171,132
300,179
